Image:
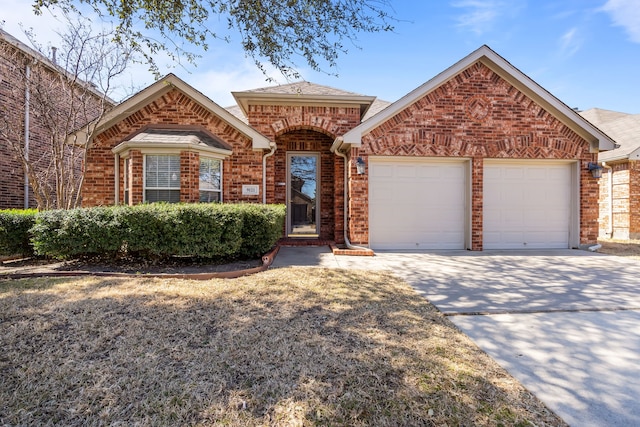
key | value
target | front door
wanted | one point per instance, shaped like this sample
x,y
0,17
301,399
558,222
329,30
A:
x,y
302,201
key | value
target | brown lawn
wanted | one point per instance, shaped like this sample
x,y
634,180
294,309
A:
x,y
288,347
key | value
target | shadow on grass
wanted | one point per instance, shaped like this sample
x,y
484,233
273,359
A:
x,y
286,347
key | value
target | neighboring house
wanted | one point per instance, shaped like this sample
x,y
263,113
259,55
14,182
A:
x,y
22,122
620,182
479,157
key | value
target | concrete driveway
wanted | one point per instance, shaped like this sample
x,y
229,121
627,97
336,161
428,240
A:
x,y
565,323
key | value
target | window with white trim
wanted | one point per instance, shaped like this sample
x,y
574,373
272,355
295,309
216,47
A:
x,y
210,180
127,169
162,178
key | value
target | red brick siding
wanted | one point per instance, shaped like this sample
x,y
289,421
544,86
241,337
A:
x,y
189,177
307,128
172,108
477,115
50,95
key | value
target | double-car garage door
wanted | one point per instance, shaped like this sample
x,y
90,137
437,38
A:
x,y
424,203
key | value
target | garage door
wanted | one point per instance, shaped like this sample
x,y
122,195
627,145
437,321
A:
x,y
527,205
417,203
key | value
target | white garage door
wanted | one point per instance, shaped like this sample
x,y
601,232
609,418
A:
x,y
527,205
417,203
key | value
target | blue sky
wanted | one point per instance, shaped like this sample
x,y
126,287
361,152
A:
x,y
585,52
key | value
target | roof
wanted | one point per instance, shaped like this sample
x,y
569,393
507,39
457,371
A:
x,y
160,88
302,93
51,65
178,137
622,127
597,139
185,136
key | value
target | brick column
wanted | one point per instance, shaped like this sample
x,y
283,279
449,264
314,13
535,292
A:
x,y
477,188
189,177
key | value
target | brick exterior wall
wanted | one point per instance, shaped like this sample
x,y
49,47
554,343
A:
x,y
311,129
47,93
626,201
173,108
12,106
477,115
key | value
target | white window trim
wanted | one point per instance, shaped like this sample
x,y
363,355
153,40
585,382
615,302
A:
x,y
221,174
144,175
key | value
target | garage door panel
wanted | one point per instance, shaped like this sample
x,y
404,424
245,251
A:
x,y
526,205
417,204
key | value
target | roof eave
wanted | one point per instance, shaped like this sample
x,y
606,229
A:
x,y
244,99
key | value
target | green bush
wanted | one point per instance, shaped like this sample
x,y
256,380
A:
x,y
14,231
262,226
158,230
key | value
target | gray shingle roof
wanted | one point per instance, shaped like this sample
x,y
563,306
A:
x,y
623,128
304,88
179,136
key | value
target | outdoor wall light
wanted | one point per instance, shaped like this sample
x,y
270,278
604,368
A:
x,y
360,166
596,169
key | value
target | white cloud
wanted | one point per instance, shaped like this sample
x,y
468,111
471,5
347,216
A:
x,y
479,15
570,42
626,14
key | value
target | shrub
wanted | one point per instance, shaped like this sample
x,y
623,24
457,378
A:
x,y
14,231
262,226
159,230
79,232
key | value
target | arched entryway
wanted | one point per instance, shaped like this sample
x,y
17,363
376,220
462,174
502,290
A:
x,y
304,172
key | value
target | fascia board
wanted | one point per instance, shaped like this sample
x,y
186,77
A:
x,y
259,98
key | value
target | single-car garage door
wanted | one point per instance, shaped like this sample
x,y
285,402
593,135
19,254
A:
x,y
417,203
526,205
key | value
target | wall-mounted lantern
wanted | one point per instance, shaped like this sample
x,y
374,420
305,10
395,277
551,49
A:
x,y
596,169
360,166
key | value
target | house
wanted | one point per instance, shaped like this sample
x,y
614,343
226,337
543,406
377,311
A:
x,y
31,86
479,157
620,182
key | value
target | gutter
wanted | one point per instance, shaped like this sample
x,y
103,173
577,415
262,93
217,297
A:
x,y
610,197
338,144
27,103
273,147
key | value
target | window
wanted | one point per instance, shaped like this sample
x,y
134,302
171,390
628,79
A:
x,y
210,180
162,178
127,168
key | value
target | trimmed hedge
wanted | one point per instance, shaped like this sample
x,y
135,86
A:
x,y
14,231
158,230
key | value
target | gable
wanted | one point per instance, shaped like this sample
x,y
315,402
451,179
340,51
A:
x,y
496,71
140,104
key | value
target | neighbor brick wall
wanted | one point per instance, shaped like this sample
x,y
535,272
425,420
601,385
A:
x,y
172,108
626,202
13,63
477,115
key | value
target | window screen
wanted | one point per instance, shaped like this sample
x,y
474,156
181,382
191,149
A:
x,y
210,180
162,178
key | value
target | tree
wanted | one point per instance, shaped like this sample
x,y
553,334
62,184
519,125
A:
x,y
62,94
275,31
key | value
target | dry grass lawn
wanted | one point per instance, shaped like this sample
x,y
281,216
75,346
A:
x,y
287,347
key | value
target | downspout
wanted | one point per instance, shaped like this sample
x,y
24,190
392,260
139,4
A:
x,y
27,102
273,147
117,179
346,201
610,197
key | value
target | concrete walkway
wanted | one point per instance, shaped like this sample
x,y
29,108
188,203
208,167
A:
x,y
565,323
